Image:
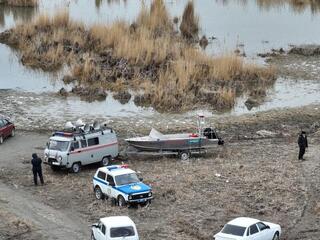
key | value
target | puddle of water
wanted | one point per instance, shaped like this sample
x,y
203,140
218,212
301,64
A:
x,y
16,76
72,107
285,93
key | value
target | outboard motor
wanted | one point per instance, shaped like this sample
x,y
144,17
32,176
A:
x,y
210,133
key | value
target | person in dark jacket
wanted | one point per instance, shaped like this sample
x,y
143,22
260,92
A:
x,y
303,144
36,169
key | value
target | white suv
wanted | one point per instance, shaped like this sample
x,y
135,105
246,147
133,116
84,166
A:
x,y
122,184
109,228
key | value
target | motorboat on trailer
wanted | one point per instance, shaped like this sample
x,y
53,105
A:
x,y
205,138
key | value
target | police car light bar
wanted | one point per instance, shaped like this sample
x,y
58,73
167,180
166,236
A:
x,y
114,167
63,134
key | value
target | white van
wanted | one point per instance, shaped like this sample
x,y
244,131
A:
x,y
73,149
118,227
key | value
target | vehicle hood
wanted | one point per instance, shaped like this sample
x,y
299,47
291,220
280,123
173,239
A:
x,y
134,188
223,236
52,153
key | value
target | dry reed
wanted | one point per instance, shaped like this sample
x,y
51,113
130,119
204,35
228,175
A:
x,y
147,55
21,3
189,26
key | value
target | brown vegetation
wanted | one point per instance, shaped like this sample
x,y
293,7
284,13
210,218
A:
x,y
296,5
189,26
20,3
147,55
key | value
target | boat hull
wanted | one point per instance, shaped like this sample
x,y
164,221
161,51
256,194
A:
x,y
173,144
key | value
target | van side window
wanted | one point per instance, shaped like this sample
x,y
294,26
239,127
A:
x,y
83,143
110,180
75,145
1,123
102,175
93,141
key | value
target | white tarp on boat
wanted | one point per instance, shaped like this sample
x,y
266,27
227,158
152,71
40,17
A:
x,y
155,134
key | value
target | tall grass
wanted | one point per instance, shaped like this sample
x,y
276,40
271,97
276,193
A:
x,y
148,56
21,3
295,5
189,26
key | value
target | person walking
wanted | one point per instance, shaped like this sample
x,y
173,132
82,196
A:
x,y
303,144
36,169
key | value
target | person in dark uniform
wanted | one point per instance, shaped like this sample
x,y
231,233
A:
x,y
36,169
303,144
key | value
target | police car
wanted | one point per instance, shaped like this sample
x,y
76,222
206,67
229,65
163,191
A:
x,y
122,184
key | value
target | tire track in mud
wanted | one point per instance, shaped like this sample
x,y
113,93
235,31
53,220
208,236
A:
x,y
47,221
308,224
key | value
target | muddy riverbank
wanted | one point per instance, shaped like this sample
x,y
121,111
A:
x,y
47,112
243,178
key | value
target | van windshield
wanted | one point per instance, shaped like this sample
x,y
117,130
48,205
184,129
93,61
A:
x,y
126,179
58,145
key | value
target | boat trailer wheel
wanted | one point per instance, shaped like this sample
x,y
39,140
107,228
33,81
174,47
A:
x,y
184,155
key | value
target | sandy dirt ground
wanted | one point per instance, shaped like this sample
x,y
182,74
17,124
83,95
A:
x,y
252,175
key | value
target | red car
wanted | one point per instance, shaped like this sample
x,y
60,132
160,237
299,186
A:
x,y
7,129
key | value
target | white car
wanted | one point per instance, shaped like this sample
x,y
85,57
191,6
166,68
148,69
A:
x,y
244,228
119,227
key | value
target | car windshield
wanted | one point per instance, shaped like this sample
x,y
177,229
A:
x,y
121,232
58,145
233,230
126,179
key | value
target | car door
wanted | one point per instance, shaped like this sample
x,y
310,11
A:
x,y
111,187
93,150
75,153
100,233
254,233
6,127
265,231
85,154
2,128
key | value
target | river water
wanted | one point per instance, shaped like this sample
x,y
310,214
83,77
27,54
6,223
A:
x,y
253,26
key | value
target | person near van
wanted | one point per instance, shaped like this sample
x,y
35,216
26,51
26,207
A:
x,y
36,169
303,144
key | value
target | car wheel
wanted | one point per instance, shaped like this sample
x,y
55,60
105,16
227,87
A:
x,y
121,202
1,139
276,236
185,155
76,167
105,161
98,193
13,132
92,236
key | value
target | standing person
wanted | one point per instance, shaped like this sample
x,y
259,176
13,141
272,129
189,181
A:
x,y
36,169
303,144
